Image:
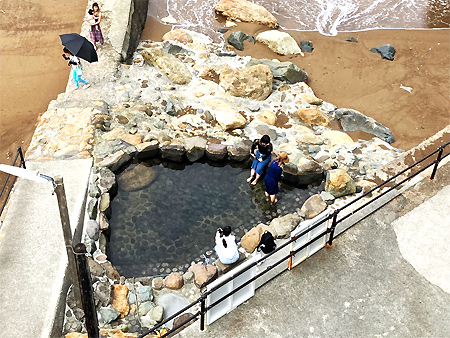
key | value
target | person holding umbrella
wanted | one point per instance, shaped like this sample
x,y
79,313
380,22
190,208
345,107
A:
x,y
77,70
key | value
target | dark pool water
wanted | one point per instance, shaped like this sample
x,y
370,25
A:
x,y
170,223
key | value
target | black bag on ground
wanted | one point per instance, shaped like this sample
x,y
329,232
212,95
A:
x,y
267,243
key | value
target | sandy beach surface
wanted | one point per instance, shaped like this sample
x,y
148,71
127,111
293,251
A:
x,y
344,73
349,75
32,71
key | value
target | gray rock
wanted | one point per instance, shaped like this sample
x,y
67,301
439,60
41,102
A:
x,y
188,277
195,148
240,152
264,129
327,197
92,208
353,120
386,51
103,222
284,225
95,268
144,294
94,191
173,152
236,39
156,313
115,161
137,177
339,183
107,180
90,245
131,298
171,303
175,49
313,149
313,206
102,293
107,315
208,116
170,108
226,54
102,242
92,228
306,46
283,71
168,64
216,151
145,308
105,202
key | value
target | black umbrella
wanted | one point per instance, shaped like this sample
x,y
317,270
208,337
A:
x,y
79,46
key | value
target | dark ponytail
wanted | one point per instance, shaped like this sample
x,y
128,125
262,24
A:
x,y
224,242
226,231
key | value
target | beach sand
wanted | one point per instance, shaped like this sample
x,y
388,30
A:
x,y
350,76
343,73
32,71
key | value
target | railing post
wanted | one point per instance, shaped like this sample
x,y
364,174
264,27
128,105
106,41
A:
x,y
22,159
202,312
87,294
436,163
333,226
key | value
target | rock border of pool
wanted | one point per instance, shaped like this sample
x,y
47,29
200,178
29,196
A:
x,y
171,102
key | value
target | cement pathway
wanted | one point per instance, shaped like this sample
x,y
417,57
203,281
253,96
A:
x,y
32,253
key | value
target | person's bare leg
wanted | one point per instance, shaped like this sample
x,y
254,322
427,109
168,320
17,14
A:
x,y
267,195
273,198
256,179
252,173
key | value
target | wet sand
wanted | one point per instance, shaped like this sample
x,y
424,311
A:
x,y
350,76
31,67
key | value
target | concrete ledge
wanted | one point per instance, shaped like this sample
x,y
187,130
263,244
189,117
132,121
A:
x,y
32,251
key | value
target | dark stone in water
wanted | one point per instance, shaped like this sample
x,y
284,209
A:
x,y
222,30
351,39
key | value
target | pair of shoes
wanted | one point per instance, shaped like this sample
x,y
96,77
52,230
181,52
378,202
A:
x,y
249,179
86,86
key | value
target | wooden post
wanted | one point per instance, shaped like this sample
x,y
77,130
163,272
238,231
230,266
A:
x,y
67,232
87,294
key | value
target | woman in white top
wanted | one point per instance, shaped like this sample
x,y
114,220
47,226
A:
x,y
226,247
77,70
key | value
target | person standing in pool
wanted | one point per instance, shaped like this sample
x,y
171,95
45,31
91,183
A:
x,y
226,247
262,152
274,175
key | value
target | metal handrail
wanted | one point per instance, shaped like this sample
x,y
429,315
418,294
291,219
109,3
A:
x,y
19,154
330,230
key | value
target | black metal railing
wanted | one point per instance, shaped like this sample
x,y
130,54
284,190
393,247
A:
x,y
11,179
330,230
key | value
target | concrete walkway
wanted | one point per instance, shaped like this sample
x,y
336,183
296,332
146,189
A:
x,y
32,253
388,276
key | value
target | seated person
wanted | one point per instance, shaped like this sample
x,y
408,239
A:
x,y
261,151
226,247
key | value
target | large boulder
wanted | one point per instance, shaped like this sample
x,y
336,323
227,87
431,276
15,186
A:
x,y
173,152
353,120
339,183
252,238
254,82
168,64
203,274
337,137
304,172
279,42
227,117
313,206
241,10
314,117
283,71
284,225
137,178
195,148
